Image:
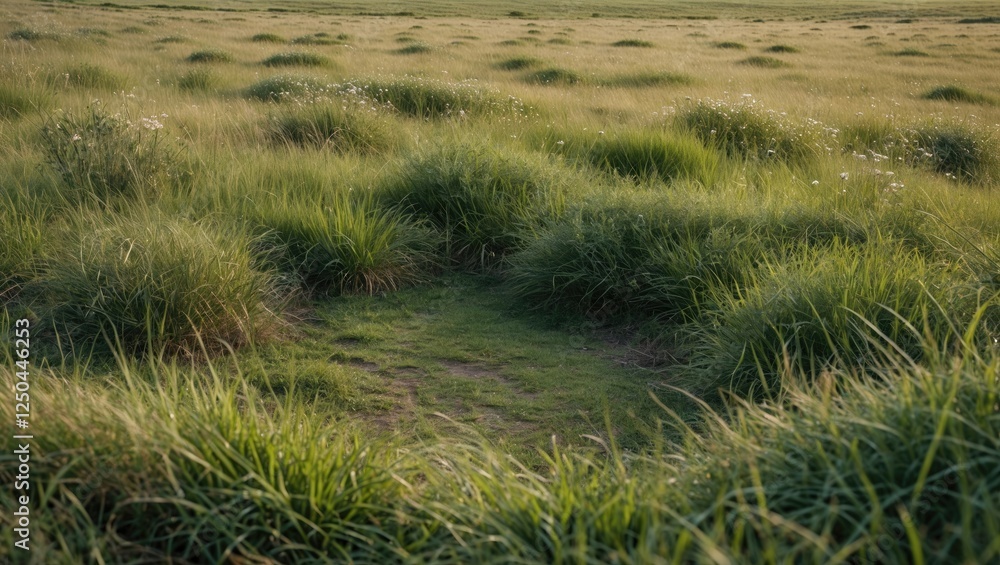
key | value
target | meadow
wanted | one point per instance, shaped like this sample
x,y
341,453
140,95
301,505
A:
x,y
539,282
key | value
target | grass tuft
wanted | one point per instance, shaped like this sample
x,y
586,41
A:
x,y
953,93
210,56
198,80
283,87
745,130
764,62
417,48
782,49
729,45
633,43
268,38
518,63
89,76
431,99
298,59
152,283
910,52
334,127
554,76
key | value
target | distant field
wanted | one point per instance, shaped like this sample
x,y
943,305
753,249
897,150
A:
x,y
527,282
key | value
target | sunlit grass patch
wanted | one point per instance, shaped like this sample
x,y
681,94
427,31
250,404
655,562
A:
x,y
746,130
782,49
210,56
518,63
954,93
330,125
429,98
267,38
649,79
764,62
633,43
313,40
416,48
31,34
554,76
283,87
298,59
910,52
198,80
148,282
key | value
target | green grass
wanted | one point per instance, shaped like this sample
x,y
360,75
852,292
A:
x,y
432,99
633,43
268,38
953,93
782,49
143,282
645,80
743,130
295,59
198,80
417,48
729,45
910,52
518,63
285,87
764,62
485,199
16,102
330,126
210,56
89,77
554,76
350,246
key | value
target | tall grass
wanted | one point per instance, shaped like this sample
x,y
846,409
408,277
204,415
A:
x,y
351,246
361,129
485,198
430,99
746,130
105,155
151,283
899,467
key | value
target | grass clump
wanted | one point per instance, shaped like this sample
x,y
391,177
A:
x,y
283,87
729,45
210,56
17,102
764,62
104,155
29,34
433,99
782,49
313,40
633,43
645,80
958,152
198,80
910,52
89,77
172,39
485,199
554,76
351,246
267,38
151,283
953,93
334,127
416,48
295,59
744,130
518,63
20,246
647,154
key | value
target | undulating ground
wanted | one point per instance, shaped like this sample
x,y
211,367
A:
x,y
538,282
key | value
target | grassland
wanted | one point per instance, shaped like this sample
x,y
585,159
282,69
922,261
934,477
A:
x,y
532,283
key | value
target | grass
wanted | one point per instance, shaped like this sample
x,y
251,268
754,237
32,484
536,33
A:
x,y
330,126
953,93
910,52
267,38
407,309
282,87
417,48
729,45
210,56
431,99
518,63
764,62
484,199
147,283
350,247
633,43
295,59
743,130
554,76
782,49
